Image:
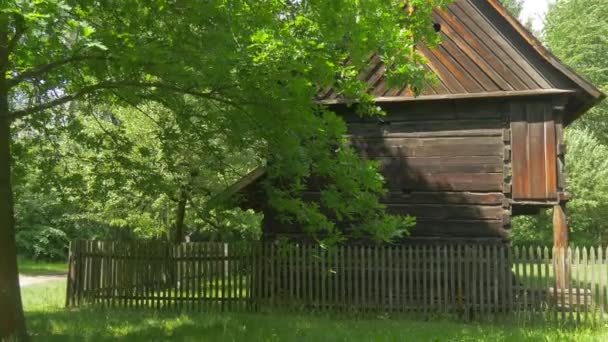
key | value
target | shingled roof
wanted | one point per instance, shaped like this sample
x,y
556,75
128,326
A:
x,y
485,52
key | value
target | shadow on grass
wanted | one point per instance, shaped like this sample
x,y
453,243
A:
x,y
91,324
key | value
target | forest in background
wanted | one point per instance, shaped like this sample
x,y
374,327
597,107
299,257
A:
x,y
127,168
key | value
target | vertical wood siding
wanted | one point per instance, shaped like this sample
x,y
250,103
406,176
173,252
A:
x,y
534,152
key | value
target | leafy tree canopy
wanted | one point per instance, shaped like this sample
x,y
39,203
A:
x,y
244,72
514,6
577,32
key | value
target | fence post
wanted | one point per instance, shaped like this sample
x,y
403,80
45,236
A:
x,y
69,300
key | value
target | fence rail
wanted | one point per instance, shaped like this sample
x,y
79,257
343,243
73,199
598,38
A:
x,y
467,280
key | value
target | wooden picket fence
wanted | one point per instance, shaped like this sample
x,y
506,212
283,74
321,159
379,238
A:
x,y
466,280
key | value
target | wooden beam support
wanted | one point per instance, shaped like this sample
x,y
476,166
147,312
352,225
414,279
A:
x,y
484,95
560,244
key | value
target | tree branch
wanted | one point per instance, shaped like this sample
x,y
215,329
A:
x,y
40,70
90,89
19,31
201,215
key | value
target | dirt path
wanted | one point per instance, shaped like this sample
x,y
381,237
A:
x,y
27,280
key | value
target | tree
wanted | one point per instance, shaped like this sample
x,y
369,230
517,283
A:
x,y
514,6
577,32
258,63
131,173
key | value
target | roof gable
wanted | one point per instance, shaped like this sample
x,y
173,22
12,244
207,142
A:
x,y
484,50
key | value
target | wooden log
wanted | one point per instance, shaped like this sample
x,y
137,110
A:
x,y
393,146
375,130
560,241
471,198
454,182
469,163
448,212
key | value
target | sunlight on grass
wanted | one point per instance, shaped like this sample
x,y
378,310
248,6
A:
x,y
30,267
47,297
49,321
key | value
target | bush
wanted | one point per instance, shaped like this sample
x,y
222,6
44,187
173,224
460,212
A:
x,y
41,242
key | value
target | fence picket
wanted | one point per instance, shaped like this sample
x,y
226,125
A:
x,y
532,284
547,282
473,280
575,286
585,282
592,280
540,289
482,276
523,263
370,278
601,296
453,284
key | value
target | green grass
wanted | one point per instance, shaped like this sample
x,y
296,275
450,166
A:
x,y
49,321
578,274
30,267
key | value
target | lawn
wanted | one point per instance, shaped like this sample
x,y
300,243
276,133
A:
x,y
35,268
48,321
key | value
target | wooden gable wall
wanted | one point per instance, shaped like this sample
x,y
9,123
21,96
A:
x,y
480,53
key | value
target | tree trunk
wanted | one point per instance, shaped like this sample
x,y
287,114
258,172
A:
x,y
181,216
12,321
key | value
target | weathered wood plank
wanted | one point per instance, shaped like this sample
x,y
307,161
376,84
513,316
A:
x,y
430,128
480,198
474,182
536,151
448,212
471,16
403,147
457,229
550,155
446,133
465,164
519,150
478,52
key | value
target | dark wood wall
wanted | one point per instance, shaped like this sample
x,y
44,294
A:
x,y
456,165
534,150
443,162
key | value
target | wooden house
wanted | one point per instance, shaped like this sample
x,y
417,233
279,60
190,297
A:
x,y
482,145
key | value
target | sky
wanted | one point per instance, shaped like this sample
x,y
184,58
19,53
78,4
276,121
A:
x,y
536,10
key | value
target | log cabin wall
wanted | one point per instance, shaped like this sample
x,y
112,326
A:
x,y
444,163
461,167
